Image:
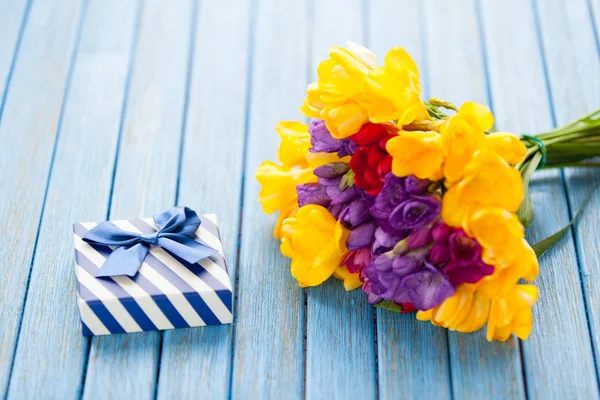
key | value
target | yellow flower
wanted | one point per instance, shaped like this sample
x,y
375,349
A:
x,y
295,142
468,311
465,311
312,102
504,279
316,243
287,212
462,135
278,190
344,120
341,81
417,153
393,90
351,280
508,146
279,185
512,314
488,181
500,235
476,115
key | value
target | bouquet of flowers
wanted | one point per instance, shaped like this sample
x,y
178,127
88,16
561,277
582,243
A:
x,y
420,203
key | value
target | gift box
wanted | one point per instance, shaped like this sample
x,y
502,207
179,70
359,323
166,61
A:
x,y
165,290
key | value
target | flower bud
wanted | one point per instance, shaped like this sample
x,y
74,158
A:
x,y
420,237
331,170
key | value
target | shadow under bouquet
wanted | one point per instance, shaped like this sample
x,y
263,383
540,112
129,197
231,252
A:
x,y
419,203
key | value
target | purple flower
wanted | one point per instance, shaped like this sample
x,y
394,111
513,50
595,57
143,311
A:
x,y
404,203
391,195
415,211
355,213
351,206
415,186
331,170
406,278
362,236
386,240
339,196
312,193
322,141
427,287
408,263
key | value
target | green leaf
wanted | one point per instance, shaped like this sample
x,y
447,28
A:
x,y
389,305
525,211
543,246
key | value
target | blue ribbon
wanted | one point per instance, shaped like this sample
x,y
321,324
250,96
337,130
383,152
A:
x,y
177,229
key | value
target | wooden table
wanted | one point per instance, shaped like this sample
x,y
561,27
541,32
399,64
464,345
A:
x,y
119,108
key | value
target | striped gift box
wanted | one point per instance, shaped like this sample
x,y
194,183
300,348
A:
x,y
166,293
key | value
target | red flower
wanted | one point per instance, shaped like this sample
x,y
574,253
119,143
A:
x,y
371,161
407,307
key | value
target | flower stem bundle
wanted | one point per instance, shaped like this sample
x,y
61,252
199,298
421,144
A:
x,y
419,203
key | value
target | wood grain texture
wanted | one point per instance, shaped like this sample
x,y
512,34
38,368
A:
x,y
196,363
27,135
457,72
13,16
594,10
146,179
340,332
50,342
574,76
156,103
268,342
412,355
520,97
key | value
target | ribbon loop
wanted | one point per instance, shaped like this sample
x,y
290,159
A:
x,y
178,227
540,145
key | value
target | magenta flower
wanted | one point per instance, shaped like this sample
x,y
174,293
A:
x,y
357,260
458,255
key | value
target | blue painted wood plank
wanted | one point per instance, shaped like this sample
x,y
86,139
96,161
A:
x,y
268,342
50,342
146,178
412,355
27,135
13,16
594,10
340,339
572,59
457,73
558,358
196,363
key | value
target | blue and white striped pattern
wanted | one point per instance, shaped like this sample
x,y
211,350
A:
x,y
166,293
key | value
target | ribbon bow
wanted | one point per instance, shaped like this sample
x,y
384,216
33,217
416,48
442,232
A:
x,y
178,226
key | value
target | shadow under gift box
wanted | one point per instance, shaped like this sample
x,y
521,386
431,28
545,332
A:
x,y
166,293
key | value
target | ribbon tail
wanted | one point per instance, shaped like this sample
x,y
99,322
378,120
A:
x,y
124,261
187,249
